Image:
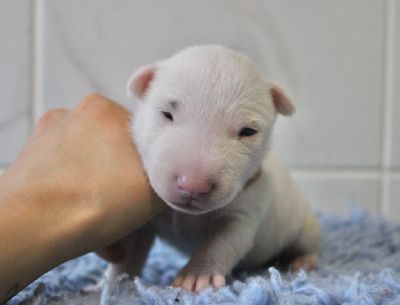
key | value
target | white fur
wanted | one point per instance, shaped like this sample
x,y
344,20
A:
x,y
199,165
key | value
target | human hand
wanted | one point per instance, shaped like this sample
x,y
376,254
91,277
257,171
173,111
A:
x,y
81,174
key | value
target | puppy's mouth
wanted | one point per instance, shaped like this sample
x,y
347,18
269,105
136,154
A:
x,y
187,207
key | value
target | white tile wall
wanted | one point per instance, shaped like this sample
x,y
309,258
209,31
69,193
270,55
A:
x,y
95,45
332,56
15,76
338,192
337,84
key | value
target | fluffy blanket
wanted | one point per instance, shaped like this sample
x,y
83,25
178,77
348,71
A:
x,y
359,264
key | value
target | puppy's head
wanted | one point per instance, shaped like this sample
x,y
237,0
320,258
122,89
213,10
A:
x,y
202,125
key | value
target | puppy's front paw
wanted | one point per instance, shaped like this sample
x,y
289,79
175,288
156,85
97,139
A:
x,y
198,282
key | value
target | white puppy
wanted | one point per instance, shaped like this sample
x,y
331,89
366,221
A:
x,y
202,127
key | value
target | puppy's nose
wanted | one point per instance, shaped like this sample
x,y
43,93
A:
x,y
193,186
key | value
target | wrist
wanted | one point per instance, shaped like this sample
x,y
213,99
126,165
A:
x,y
32,240
44,224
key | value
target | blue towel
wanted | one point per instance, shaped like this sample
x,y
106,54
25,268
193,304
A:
x,y
359,264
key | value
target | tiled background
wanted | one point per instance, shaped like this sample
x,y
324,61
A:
x,y
340,60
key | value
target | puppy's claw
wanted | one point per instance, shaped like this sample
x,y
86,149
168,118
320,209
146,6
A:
x,y
306,262
197,283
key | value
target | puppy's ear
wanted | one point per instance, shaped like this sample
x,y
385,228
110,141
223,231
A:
x,y
282,101
140,81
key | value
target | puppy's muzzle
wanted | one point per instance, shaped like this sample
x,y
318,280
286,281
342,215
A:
x,y
194,188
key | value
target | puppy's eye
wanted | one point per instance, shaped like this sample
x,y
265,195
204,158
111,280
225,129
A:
x,y
247,132
168,115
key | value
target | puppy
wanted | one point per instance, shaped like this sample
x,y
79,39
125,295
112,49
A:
x,y
202,125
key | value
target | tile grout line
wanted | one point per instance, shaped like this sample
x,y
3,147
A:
x,y
387,104
340,173
36,62
341,170
33,65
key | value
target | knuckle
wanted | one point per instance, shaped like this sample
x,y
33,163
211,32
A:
x,y
93,102
94,106
50,116
101,109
